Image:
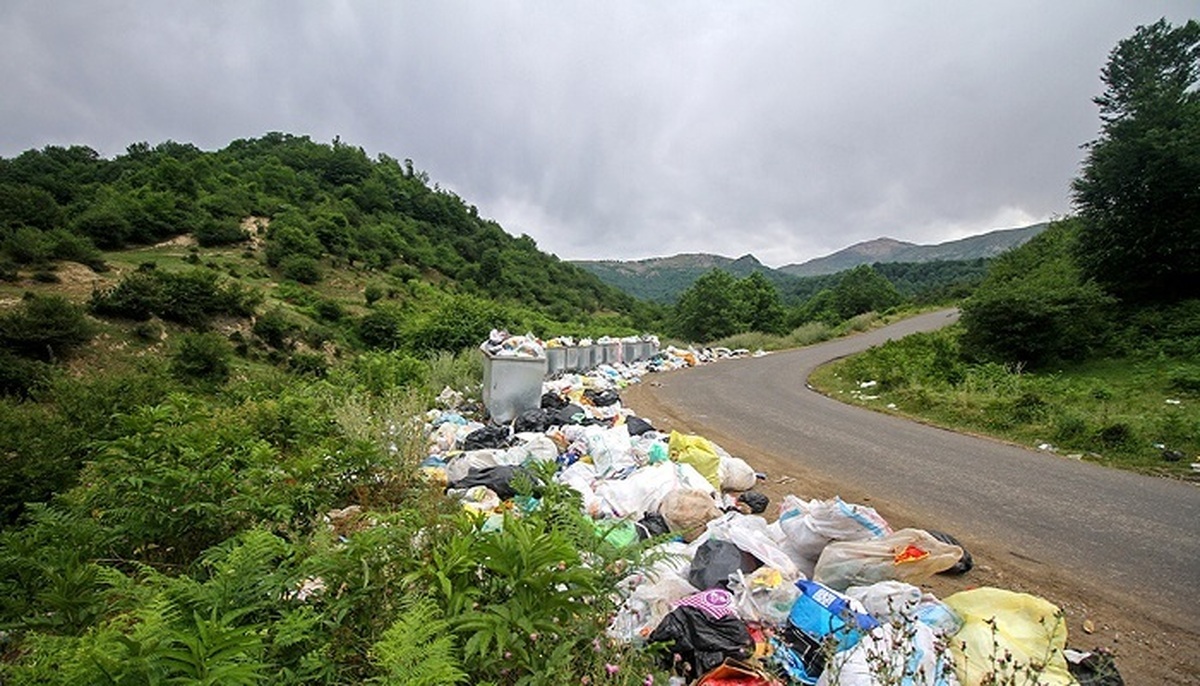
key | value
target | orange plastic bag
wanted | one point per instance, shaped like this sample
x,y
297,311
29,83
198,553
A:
x,y
737,673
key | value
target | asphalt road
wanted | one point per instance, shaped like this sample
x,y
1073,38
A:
x,y
1122,534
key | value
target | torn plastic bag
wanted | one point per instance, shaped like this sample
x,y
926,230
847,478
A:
x,y
997,623
821,622
738,673
460,465
687,511
530,447
610,449
749,533
536,420
581,476
645,489
645,608
753,501
735,474
715,602
602,398
1093,669
487,437
715,560
810,526
763,595
636,426
896,601
700,641
910,555
898,653
500,479
965,563
698,452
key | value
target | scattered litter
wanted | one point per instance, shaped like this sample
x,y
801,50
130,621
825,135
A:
x,y
1173,401
823,594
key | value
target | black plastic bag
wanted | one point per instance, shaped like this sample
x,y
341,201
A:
x,y
651,525
754,501
1095,669
601,398
636,426
487,437
552,401
531,420
715,561
499,479
965,563
701,642
568,414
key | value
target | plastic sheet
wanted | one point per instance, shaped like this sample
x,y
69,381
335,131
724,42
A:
x,y
996,622
910,555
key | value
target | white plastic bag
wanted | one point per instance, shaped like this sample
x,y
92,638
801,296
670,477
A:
x,y
891,601
646,607
749,534
911,555
532,447
736,474
810,526
460,465
893,653
610,449
763,596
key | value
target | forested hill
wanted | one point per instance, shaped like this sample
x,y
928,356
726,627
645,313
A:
x,y
326,205
662,279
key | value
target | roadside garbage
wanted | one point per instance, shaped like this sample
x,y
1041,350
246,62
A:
x,y
1093,668
716,560
997,623
824,594
965,563
910,555
701,642
688,511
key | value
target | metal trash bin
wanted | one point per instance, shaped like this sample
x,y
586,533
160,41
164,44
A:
x,y
587,357
574,362
610,353
631,351
556,360
512,385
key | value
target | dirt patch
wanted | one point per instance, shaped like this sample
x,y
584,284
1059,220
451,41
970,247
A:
x,y
186,240
1148,650
256,228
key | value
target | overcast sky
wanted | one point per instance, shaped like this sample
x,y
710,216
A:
x,y
612,130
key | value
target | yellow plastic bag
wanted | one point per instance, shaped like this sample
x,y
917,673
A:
x,y
998,623
698,452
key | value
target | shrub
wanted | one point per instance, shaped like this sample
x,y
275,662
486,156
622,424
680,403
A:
x,y
220,232
44,327
300,268
308,364
276,328
1115,435
381,329
202,357
20,377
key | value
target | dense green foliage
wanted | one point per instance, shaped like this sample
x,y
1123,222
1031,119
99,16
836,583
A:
x,y
323,203
1139,192
1034,307
719,305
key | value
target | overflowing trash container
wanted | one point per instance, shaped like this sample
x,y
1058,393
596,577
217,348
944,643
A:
x,y
513,369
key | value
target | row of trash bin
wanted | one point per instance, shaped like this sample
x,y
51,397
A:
x,y
515,366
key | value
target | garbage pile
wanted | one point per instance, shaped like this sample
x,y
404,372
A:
x,y
826,593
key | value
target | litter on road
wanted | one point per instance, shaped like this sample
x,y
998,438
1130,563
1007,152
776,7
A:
x,y
826,592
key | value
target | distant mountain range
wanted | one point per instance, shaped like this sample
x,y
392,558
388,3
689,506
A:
x,y
662,279
983,246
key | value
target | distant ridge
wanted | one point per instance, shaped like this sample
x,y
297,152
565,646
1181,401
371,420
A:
x,y
983,246
662,279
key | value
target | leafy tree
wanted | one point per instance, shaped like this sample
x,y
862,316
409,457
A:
x,y
863,289
710,309
44,327
1034,306
1139,192
202,357
761,305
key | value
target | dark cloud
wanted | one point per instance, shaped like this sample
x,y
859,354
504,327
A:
x,y
612,130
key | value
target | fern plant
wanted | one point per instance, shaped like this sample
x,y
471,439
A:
x,y
419,649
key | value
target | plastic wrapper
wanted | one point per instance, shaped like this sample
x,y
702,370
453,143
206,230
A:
x,y
910,555
750,534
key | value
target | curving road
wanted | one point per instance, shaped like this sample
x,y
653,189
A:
x,y
1120,534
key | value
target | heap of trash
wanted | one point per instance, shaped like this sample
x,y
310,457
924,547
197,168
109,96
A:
x,y
806,591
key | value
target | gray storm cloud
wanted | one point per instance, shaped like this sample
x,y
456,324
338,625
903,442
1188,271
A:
x,y
612,130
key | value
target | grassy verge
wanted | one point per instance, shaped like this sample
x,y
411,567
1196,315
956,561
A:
x,y
816,332
1140,414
